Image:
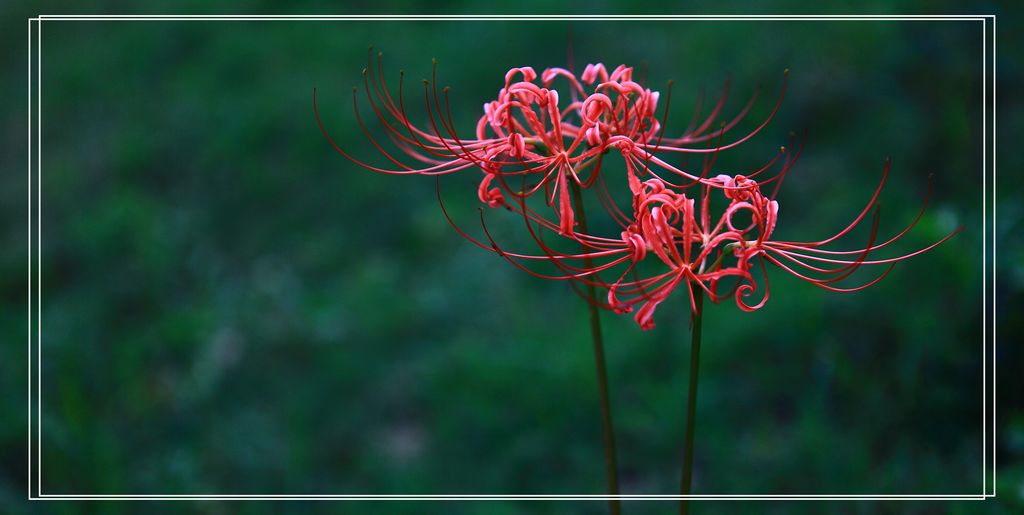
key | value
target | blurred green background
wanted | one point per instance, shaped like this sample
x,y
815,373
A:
x,y
231,307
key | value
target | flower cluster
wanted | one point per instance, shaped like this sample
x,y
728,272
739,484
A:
x,y
701,232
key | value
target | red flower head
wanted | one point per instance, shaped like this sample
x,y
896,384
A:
x,y
529,131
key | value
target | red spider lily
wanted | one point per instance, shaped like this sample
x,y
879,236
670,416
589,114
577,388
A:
x,y
664,223
693,252
666,238
526,132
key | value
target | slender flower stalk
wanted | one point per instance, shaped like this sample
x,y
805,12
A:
x,y
691,403
597,337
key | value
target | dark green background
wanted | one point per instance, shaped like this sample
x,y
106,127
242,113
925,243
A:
x,y
231,307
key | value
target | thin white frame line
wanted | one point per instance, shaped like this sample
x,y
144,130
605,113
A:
x,y
518,496
516,17
40,18
984,248
29,325
39,256
363,19
994,259
567,498
990,351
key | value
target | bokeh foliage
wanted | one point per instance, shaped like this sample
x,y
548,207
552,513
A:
x,y
231,307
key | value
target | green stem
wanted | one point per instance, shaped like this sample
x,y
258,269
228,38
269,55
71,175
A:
x,y
691,402
602,374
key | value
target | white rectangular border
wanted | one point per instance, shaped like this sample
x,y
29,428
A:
x,y
988,431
